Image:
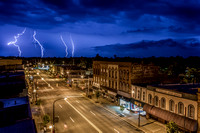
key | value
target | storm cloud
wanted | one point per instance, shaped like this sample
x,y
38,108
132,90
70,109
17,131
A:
x,y
99,22
167,47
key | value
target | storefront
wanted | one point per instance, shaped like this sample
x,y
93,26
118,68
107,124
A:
x,y
112,96
137,107
125,103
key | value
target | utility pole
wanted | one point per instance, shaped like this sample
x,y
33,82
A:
x,y
88,85
139,119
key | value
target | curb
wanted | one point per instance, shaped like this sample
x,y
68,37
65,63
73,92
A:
x,y
134,125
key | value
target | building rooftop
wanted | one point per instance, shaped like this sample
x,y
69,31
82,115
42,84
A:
x,y
25,126
184,88
11,84
14,102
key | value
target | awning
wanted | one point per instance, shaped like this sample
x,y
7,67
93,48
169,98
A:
x,y
190,124
124,94
112,93
137,101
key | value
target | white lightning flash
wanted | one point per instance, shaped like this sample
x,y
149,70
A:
x,y
15,41
65,45
72,45
41,47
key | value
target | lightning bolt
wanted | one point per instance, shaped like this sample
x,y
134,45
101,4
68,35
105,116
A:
x,y
65,45
72,45
15,41
41,47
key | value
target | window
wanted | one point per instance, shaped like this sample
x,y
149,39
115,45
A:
x,y
156,100
135,92
171,105
124,74
124,87
143,97
112,84
163,103
150,99
180,108
116,85
127,87
127,75
191,111
138,94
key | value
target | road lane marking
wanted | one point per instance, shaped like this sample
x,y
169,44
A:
x,y
72,119
47,83
116,130
60,105
77,101
85,118
92,113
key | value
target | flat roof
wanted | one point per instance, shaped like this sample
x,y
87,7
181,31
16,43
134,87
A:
x,y
184,88
24,126
14,101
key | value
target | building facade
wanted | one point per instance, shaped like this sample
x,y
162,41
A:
x,y
128,84
113,78
166,103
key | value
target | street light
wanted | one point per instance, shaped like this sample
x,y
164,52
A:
x,y
54,111
88,86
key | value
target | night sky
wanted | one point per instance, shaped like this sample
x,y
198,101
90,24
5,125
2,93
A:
x,y
135,28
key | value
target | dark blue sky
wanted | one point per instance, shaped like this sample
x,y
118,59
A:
x,y
136,28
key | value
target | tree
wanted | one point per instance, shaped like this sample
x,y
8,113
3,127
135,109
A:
x,y
38,102
122,108
171,127
46,119
192,75
97,95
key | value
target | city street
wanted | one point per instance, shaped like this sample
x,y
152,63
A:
x,y
76,113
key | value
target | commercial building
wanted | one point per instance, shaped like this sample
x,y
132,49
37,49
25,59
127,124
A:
x,y
131,86
115,78
15,113
112,78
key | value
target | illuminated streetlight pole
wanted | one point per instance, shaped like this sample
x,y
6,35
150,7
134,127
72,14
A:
x,y
54,112
88,85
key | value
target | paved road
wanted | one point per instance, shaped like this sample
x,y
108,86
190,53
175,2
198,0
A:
x,y
77,114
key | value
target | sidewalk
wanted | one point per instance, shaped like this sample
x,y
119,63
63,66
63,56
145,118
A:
x,y
147,126
36,114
